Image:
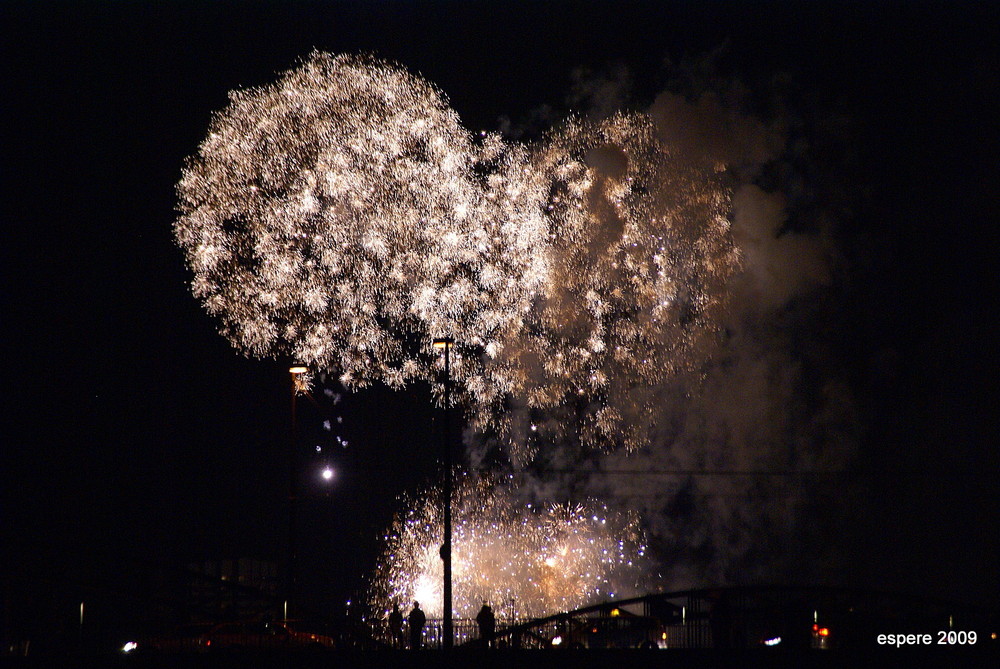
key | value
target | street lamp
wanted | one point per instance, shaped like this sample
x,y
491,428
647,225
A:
x,y
446,343
297,372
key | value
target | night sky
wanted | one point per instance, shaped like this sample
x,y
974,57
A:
x,y
135,435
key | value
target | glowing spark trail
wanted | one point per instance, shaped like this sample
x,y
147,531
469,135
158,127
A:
x,y
342,216
550,559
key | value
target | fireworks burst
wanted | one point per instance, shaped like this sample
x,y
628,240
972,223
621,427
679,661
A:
x,y
334,215
544,560
639,252
342,216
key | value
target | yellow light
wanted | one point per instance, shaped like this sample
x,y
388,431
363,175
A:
x,y
445,342
298,369
615,613
824,631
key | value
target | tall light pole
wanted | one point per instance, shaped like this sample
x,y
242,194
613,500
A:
x,y
290,577
446,611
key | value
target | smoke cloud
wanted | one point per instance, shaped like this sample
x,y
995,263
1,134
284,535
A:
x,y
745,475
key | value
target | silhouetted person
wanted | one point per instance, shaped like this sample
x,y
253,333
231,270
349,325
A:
x,y
396,626
416,620
487,624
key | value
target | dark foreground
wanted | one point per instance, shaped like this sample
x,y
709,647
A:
x,y
985,656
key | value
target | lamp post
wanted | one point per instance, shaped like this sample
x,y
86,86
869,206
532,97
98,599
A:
x,y
290,577
446,612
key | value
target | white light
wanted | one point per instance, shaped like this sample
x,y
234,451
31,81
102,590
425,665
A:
x,y
548,558
314,230
556,641
129,647
327,474
773,642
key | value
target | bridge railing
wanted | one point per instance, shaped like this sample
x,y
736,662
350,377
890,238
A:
x,y
466,631
540,634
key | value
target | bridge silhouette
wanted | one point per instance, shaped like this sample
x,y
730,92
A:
x,y
738,617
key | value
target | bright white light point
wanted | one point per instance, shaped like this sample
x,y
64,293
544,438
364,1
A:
x,y
547,559
327,474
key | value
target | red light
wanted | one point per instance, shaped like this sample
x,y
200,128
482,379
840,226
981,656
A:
x,y
824,631
815,628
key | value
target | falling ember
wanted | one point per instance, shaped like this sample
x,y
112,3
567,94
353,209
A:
x,y
526,561
343,217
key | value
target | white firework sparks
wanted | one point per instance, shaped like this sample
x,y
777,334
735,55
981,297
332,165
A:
x,y
342,216
334,217
543,560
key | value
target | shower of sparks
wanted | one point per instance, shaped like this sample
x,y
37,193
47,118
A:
x,y
343,217
525,560
639,251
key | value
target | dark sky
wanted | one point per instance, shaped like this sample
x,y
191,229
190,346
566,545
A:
x,y
134,433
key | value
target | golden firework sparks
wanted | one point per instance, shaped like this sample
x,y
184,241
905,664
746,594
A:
x,y
544,559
